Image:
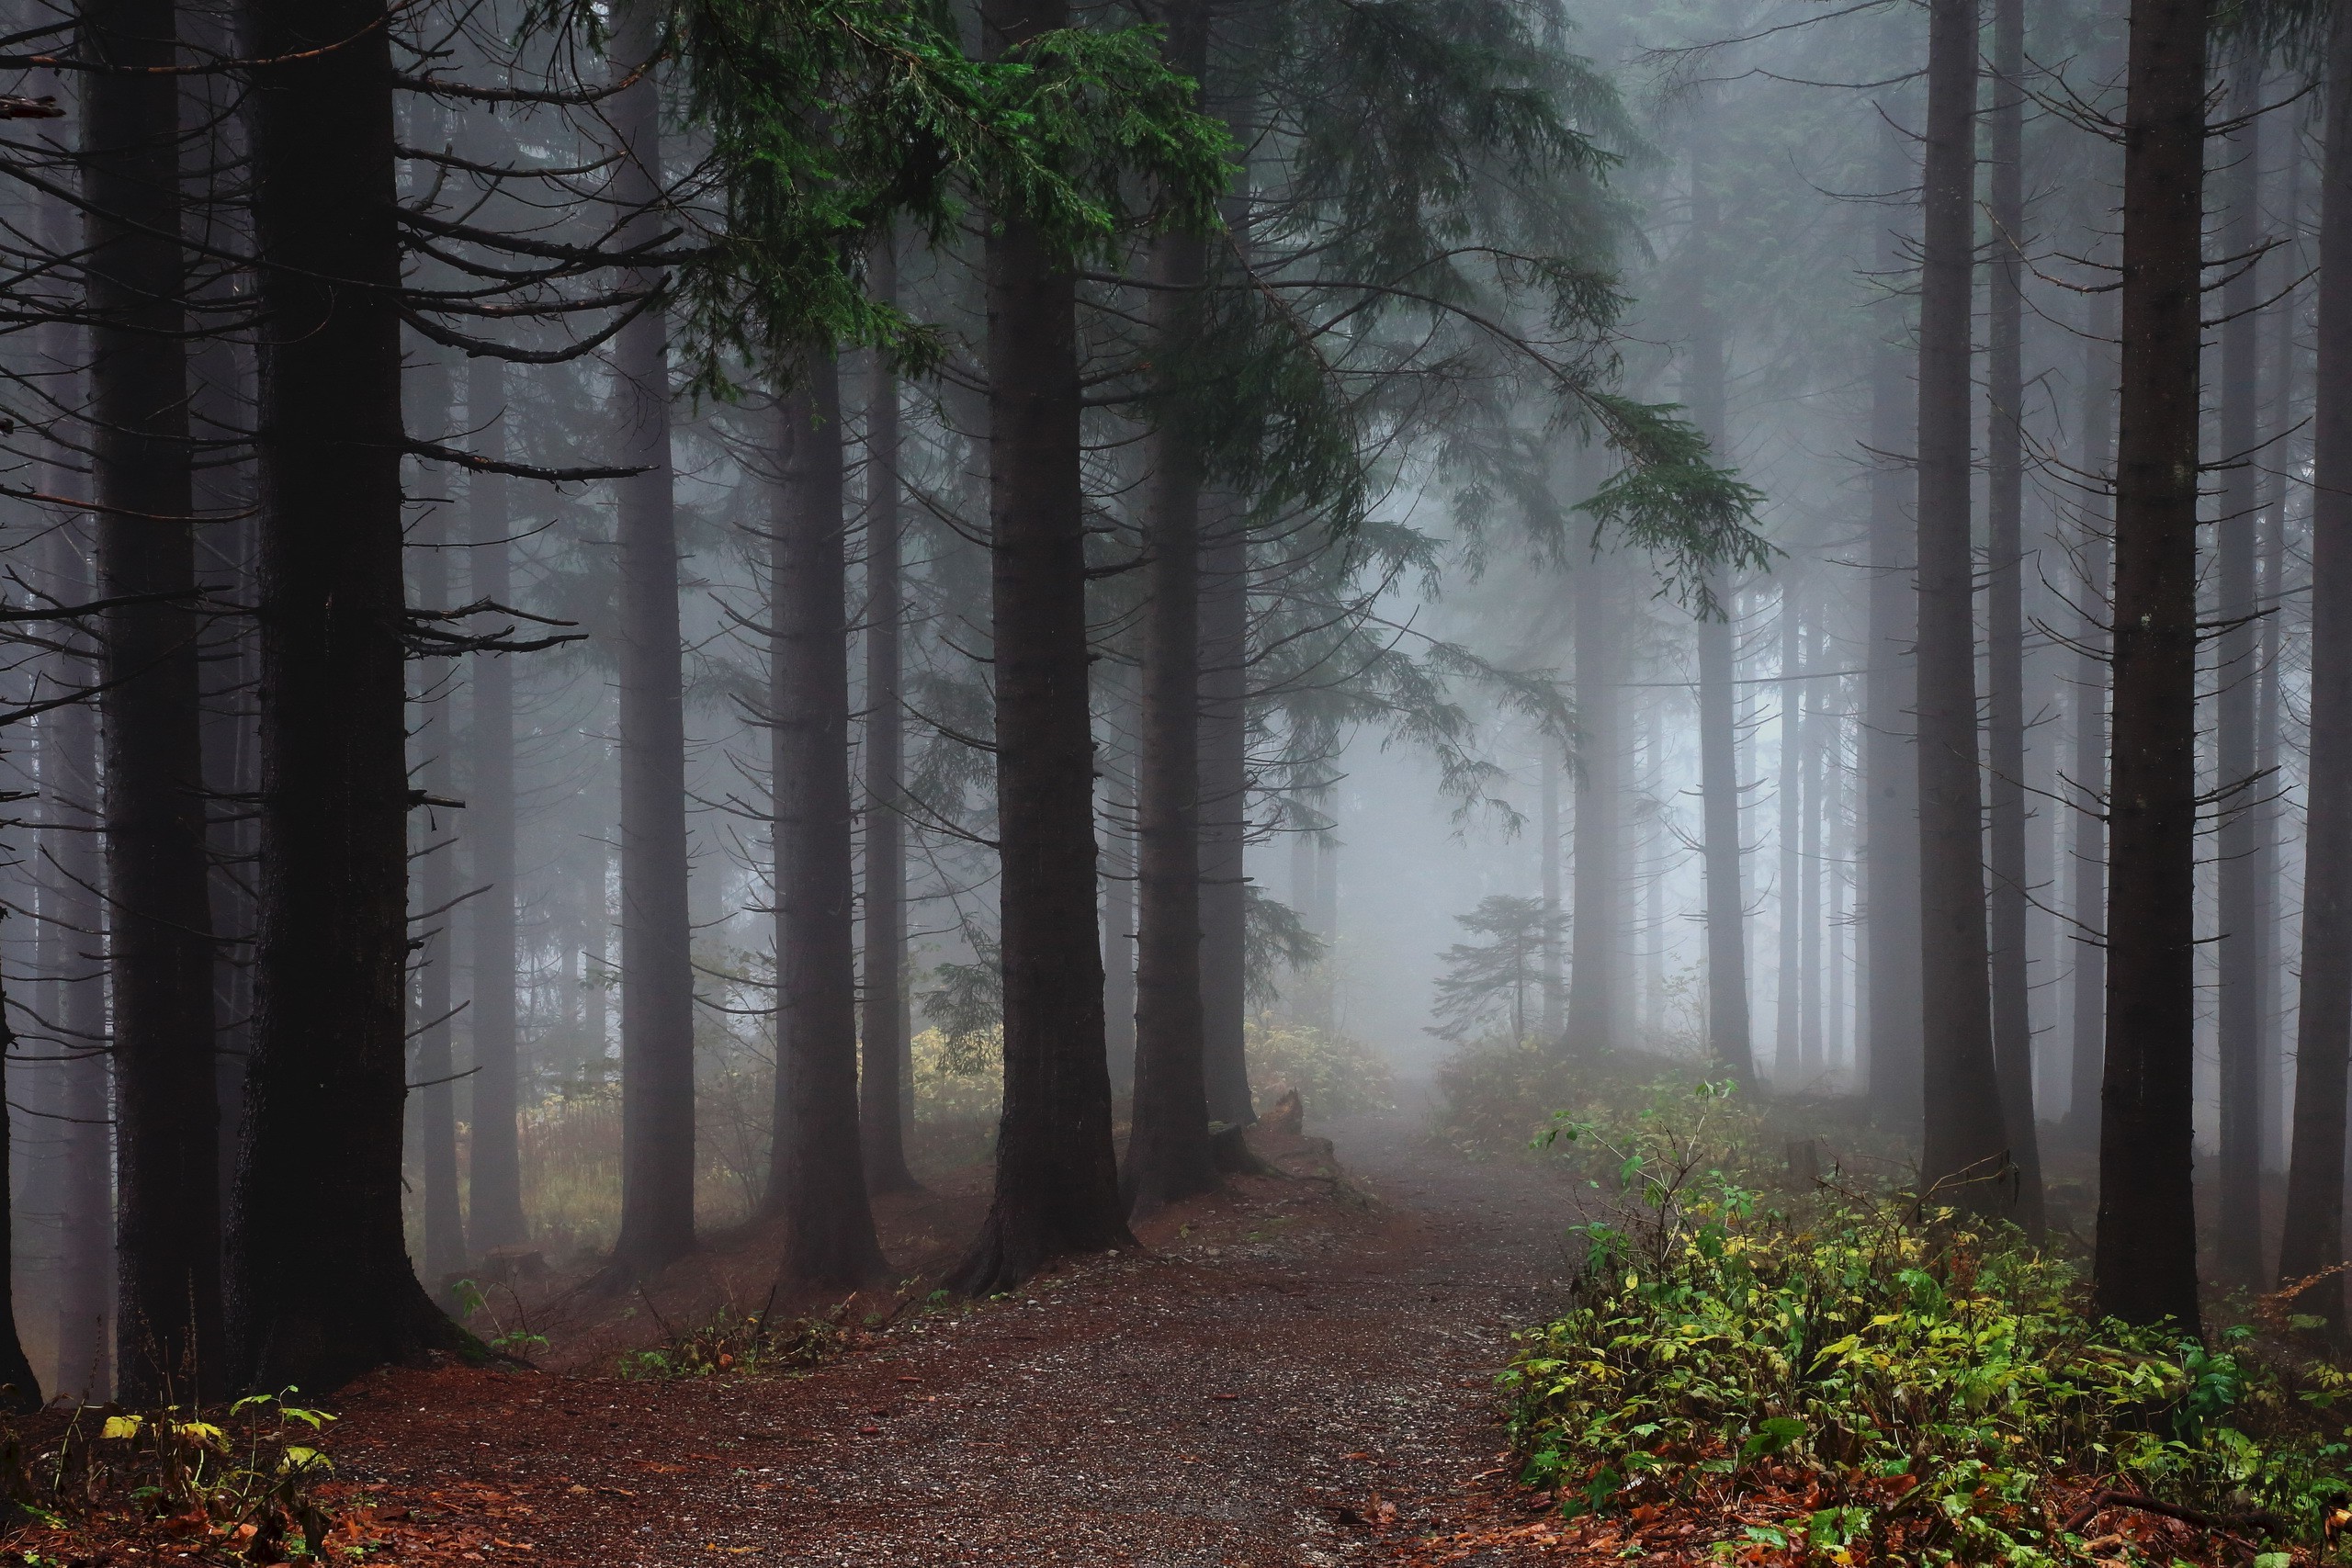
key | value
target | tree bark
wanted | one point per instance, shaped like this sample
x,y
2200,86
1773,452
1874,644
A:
x,y
436,955
882,1119
1788,1051
1119,890
2287,317
2094,586
2010,899
2145,1267
72,897
828,1230
1596,880
1167,1143
1965,1157
320,1287
167,1150
1225,823
2312,1234
1702,391
496,1165
1890,752
656,937
1057,1174
2238,1013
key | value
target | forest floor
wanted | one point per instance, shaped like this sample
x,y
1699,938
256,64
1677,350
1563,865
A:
x,y
1297,1371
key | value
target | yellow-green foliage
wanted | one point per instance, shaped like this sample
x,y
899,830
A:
x,y
1335,1074
1920,1382
959,1078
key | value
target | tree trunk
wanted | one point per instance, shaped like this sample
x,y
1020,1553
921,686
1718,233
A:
x,y
2311,1236
1119,889
2146,1267
320,1287
167,1151
1702,391
1788,1053
1597,879
882,1121
1548,824
1225,823
2238,1015
495,1167
72,897
1964,1155
2009,895
1057,1174
657,936
436,955
2286,316
2094,586
829,1233
1813,755
1890,753
1167,1145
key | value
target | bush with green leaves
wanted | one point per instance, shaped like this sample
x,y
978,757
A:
x,y
1914,1384
1335,1072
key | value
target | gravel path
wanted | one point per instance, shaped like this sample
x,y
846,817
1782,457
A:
x,y
1290,1379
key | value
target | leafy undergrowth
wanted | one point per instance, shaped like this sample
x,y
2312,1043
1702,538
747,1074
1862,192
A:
x,y
1848,1376
250,1482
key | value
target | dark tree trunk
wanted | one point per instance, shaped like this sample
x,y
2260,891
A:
x,y
436,955
1119,889
2009,895
1788,1053
2287,317
1889,755
495,1166
1167,1142
882,1121
220,412
2312,1237
657,939
2238,1016
2088,900
1965,1143
1702,391
1597,883
2145,1268
1057,1173
167,1150
1224,805
828,1225
73,882
320,1287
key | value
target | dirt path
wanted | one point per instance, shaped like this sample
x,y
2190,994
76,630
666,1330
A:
x,y
1252,1392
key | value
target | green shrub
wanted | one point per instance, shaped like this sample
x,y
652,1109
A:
x,y
1914,1386
1335,1074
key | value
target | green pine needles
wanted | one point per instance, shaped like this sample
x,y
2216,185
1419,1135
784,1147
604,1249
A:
x,y
829,118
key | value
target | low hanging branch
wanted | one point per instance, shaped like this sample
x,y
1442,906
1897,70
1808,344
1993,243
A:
x,y
426,639
473,462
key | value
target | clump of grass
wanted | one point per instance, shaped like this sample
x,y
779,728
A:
x,y
1888,1380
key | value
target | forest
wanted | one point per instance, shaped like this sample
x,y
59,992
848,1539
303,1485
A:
x,y
1198,781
